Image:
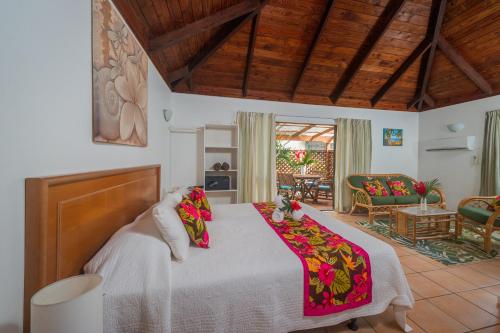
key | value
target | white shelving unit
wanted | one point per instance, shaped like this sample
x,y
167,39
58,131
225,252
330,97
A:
x,y
221,145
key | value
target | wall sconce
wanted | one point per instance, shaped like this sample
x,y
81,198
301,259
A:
x,y
456,127
168,114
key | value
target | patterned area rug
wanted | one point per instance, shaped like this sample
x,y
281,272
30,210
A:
x,y
467,248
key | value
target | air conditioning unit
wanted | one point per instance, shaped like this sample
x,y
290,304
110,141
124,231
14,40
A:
x,y
455,143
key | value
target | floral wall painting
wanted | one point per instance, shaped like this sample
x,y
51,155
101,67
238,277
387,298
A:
x,y
393,137
120,75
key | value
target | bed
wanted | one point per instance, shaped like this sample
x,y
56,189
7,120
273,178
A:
x,y
248,281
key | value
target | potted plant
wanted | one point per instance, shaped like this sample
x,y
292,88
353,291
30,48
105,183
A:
x,y
424,188
302,158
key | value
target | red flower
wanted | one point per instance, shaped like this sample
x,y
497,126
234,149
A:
x,y
299,155
420,188
328,298
326,274
294,205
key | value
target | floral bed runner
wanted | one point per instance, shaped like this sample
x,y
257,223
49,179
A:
x,y
337,273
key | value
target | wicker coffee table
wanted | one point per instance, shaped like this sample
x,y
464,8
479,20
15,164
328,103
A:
x,y
416,224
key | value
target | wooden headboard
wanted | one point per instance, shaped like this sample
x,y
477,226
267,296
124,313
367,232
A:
x,y
69,218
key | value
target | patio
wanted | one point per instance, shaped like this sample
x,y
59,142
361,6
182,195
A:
x,y
305,162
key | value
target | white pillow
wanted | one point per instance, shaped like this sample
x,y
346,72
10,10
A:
x,y
171,227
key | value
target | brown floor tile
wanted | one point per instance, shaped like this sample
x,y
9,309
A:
x,y
448,280
418,264
464,311
433,320
493,329
472,275
494,289
363,325
407,269
425,287
401,251
490,268
485,300
385,323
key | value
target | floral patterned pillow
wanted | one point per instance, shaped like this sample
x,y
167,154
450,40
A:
x,y
398,188
375,188
199,199
193,222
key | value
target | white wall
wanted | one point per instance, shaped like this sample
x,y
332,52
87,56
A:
x,y
196,110
459,171
46,120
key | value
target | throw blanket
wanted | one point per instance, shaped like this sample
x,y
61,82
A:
x,y
337,273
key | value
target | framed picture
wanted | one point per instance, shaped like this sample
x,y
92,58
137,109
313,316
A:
x,y
393,137
119,80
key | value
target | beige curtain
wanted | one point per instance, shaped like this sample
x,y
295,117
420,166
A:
x,y
490,165
257,157
353,154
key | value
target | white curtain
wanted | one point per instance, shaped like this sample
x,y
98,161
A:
x,y
257,156
353,154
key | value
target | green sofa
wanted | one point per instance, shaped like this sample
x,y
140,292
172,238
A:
x,y
379,205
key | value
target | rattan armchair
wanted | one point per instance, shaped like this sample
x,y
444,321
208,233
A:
x,y
476,215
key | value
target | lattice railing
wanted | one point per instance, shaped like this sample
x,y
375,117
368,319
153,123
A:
x,y
324,166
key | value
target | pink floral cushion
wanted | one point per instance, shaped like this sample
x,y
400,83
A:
x,y
398,188
375,188
193,222
199,198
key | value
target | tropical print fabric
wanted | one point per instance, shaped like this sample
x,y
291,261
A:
x,y
199,199
193,222
398,188
337,273
375,188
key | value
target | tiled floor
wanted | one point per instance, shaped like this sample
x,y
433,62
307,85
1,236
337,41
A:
x,y
449,299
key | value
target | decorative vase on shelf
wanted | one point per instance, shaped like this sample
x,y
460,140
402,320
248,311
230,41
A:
x,y
278,215
297,215
423,203
303,170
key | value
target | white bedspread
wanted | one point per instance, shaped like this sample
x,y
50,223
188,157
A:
x,y
248,281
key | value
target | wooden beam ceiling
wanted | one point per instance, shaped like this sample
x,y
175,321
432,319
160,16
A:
x,y
319,31
302,131
251,48
219,18
328,130
377,31
435,22
452,54
282,60
419,50
220,38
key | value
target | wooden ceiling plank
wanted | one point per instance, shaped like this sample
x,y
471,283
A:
x,y
251,48
369,43
455,57
419,50
219,18
219,39
319,31
438,10
328,130
429,100
302,131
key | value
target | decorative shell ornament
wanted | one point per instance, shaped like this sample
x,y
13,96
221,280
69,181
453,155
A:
x,y
278,200
297,215
278,215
